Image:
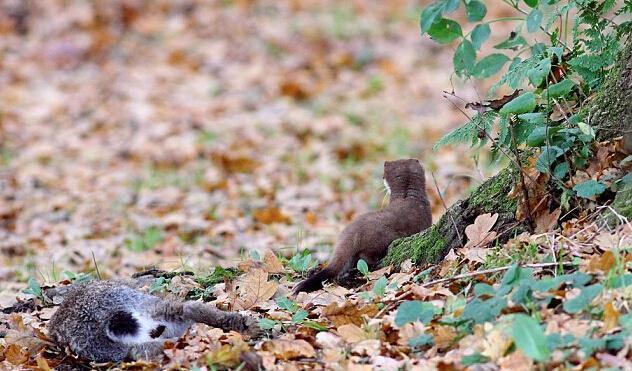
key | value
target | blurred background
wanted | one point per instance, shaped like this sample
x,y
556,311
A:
x,y
187,134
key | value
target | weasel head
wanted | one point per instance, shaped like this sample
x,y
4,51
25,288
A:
x,y
403,174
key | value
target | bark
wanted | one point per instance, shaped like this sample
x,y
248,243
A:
x,y
610,113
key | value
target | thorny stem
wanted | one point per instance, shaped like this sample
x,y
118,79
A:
x,y
525,191
446,208
516,7
466,275
513,160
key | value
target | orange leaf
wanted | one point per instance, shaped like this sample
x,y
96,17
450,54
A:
x,y
610,317
16,355
348,313
289,349
601,263
270,215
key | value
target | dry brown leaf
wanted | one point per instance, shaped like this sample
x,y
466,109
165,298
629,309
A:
x,y
254,289
477,254
516,361
42,364
546,221
348,313
479,233
227,355
328,340
443,336
289,349
16,354
270,215
351,333
610,317
271,263
601,263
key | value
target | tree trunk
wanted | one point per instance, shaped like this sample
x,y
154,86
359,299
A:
x,y
610,113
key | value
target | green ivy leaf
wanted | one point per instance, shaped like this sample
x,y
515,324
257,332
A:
x,y
464,58
585,297
531,3
445,31
522,104
363,267
560,170
547,158
589,188
529,337
513,42
415,310
300,316
560,89
474,359
475,10
534,19
481,311
537,74
480,34
266,324
490,65
421,340
379,288
430,15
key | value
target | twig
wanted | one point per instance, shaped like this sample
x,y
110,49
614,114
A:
x,y
552,245
492,270
446,209
96,266
525,191
466,275
514,161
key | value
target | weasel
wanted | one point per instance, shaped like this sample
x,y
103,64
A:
x,y
109,321
370,234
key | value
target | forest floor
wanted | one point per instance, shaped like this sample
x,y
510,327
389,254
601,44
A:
x,y
235,141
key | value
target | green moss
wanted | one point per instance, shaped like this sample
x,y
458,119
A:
x,y
492,196
421,248
622,204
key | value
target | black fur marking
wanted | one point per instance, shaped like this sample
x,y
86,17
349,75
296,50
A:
x,y
157,331
123,323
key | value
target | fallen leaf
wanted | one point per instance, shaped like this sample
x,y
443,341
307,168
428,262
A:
x,y
516,361
289,349
546,221
270,215
610,317
16,354
348,313
351,333
254,289
601,263
271,263
476,254
479,233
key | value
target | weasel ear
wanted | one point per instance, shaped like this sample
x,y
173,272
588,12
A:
x,y
122,323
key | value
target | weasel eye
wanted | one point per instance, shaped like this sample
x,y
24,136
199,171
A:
x,y
123,323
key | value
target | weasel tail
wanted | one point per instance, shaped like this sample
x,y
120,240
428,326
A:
x,y
333,269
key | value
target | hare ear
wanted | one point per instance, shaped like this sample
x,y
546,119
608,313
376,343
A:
x,y
122,323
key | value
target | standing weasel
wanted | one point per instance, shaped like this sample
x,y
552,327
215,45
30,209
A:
x,y
370,234
109,321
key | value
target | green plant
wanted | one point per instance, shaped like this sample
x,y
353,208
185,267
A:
x,y
559,53
34,288
302,261
144,241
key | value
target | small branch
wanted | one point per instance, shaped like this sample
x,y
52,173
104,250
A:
x,y
525,191
96,266
406,293
446,209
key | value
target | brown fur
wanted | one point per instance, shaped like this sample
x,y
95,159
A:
x,y
370,234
